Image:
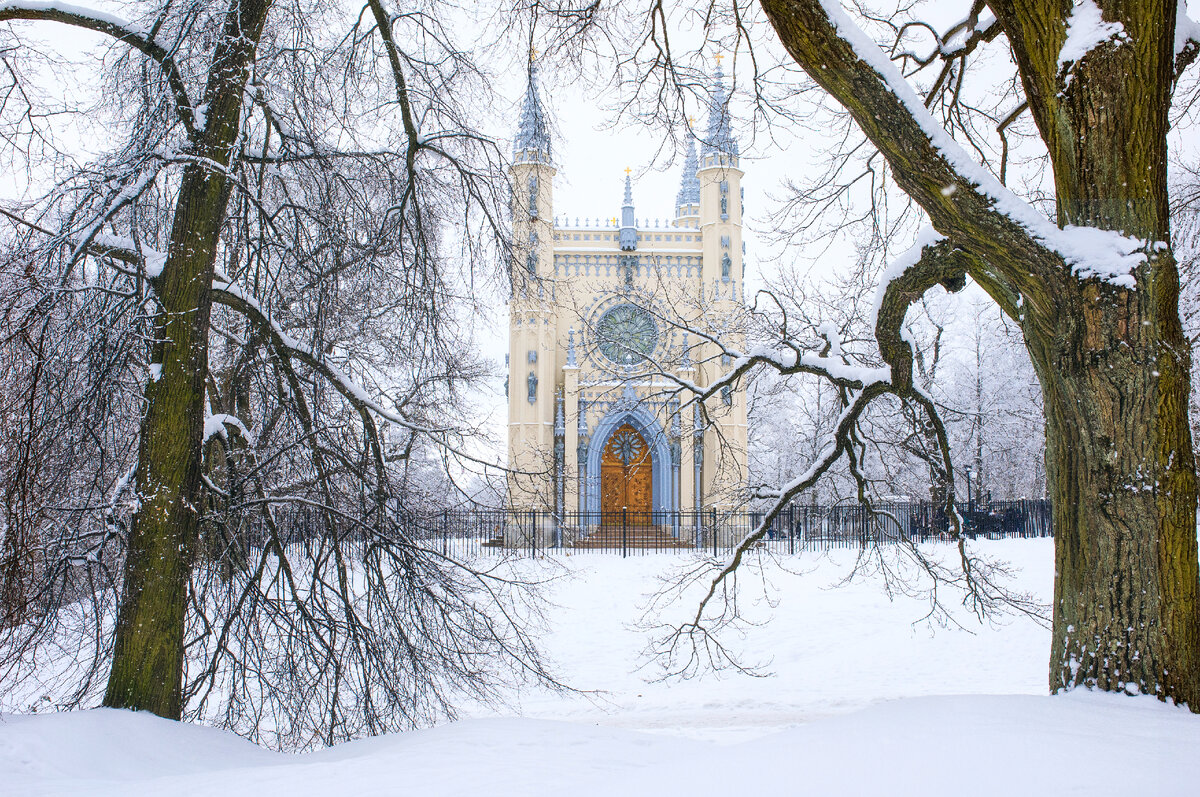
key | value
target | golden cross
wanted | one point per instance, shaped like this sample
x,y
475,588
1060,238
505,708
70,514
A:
x,y
718,58
628,170
532,54
614,221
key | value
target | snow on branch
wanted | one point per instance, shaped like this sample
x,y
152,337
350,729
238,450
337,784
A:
x,y
1187,29
1104,254
1187,38
926,237
215,426
1087,30
230,295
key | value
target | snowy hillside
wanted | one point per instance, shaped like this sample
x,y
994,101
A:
x,y
860,701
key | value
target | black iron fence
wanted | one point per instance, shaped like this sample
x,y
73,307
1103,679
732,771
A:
x,y
480,531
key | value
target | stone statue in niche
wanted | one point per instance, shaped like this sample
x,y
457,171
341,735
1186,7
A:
x,y
627,263
533,193
533,380
726,266
531,259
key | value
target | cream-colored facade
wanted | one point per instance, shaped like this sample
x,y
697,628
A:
x,y
613,323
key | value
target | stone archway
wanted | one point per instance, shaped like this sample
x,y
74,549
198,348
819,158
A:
x,y
663,484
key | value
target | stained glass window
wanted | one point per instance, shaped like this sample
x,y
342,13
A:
x,y
626,334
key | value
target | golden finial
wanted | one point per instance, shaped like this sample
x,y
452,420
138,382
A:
x,y
628,170
691,120
614,221
533,54
718,58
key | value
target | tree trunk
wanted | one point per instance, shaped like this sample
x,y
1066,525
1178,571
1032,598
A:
x,y
1122,480
1115,375
147,667
147,671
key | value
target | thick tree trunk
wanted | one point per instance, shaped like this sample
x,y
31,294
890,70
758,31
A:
x,y
148,653
147,671
1115,372
1122,479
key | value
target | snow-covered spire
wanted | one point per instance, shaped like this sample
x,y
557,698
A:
x,y
628,232
689,183
719,139
533,130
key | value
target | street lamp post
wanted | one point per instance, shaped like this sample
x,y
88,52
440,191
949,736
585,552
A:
x,y
970,501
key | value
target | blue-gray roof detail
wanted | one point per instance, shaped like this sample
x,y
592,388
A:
x,y
533,131
720,129
689,184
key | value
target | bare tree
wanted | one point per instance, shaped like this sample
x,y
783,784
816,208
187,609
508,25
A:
x,y
249,308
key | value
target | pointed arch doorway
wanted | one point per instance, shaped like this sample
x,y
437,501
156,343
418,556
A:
x,y
626,478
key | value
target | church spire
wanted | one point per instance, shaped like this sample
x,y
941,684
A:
x,y
533,131
628,232
689,183
720,140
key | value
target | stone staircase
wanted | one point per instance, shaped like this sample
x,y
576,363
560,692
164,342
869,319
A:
x,y
632,536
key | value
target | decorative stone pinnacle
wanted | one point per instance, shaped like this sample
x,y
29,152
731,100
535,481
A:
x,y
719,138
689,183
627,237
533,129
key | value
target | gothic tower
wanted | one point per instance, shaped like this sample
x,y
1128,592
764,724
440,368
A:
x,y
531,363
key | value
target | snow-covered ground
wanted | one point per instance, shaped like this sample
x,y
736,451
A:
x,y
859,700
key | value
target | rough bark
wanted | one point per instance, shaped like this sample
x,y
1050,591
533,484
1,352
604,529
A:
x,y
147,671
1115,367
1112,361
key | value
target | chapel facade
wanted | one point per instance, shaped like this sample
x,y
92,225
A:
x,y
612,330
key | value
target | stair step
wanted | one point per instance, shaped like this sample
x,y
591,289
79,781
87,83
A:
x,y
631,537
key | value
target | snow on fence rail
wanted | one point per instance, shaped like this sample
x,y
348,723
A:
x,y
480,531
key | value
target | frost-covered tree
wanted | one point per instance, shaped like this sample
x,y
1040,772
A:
x,y
247,303
1095,292
1077,253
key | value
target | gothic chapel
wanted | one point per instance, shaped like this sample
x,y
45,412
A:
x,y
609,324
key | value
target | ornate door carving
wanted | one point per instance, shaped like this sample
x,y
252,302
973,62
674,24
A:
x,y
625,477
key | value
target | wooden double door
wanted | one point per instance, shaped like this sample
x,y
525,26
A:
x,y
626,478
